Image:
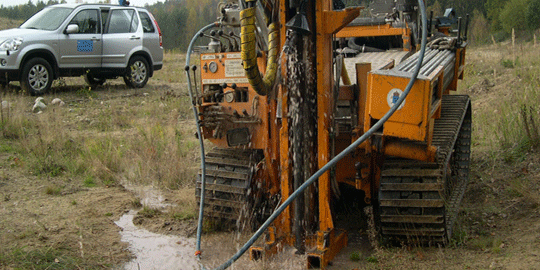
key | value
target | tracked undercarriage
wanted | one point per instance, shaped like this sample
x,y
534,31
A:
x,y
419,200
229,173
232,199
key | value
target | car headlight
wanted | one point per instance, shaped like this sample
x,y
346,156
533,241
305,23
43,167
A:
x,y
11,44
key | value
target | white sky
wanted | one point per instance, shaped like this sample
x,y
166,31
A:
x,y
141,3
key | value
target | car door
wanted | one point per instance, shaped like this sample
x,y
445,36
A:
x,y
122,37
82,49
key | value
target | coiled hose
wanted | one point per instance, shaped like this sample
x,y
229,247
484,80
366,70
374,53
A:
x,y
249,54
341,155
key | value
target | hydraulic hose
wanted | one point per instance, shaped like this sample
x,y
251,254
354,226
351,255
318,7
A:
x,y
249,53
199,135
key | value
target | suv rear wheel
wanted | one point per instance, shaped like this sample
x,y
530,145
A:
x,y
37,76
137,72
93,80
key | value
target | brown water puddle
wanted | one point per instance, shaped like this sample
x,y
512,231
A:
x,y
152,250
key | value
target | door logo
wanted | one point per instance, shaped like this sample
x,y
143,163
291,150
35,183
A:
x,y
85,46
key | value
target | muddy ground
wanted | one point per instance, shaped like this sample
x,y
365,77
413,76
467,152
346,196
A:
x,y
74,227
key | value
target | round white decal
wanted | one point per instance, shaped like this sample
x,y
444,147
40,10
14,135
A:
x,y
393,97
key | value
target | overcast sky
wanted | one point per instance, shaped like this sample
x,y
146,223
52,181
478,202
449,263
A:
x,y
141,3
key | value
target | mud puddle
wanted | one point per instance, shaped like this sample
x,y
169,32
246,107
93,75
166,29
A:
x,y
152,250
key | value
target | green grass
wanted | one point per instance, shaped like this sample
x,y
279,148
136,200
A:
x,y
148,212
53,190
89,181
355,256
509,126
183,215
40,258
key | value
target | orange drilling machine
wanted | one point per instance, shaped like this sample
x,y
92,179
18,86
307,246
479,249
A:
x,y
323,106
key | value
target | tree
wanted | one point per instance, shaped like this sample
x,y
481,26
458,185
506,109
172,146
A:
x,y
477,28
436,8
513,15
533,15
493,10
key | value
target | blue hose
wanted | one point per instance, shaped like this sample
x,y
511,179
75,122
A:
x,y
201,139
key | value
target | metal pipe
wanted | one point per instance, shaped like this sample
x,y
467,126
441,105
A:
x,y
435,63
409,65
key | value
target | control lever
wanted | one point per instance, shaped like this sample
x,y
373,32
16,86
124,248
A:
x,y
215,44
229,39
186,68
466,28
211,36
224,86
236,37
194,68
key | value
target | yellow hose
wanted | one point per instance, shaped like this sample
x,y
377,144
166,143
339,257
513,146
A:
x,y
249,54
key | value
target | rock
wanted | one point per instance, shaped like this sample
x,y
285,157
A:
x,y
39,106
146,94
5,104
58,102
40,99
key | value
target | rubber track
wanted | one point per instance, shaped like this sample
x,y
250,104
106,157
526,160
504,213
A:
x,y
419,201
228,177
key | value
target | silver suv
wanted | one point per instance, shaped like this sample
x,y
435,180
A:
x,y
98,41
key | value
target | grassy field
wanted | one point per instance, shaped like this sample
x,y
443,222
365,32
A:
x,y
63,171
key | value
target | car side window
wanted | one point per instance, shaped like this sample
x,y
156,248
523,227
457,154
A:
x,y
87,20
148,26
123,21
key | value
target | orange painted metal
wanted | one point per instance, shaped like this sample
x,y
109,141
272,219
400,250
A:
x,y
377,31
283,222
325,98
371,31
229,71
362,70
328,245
412,120
325,82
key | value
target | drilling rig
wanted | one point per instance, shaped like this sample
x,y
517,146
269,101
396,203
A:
x,y
285,86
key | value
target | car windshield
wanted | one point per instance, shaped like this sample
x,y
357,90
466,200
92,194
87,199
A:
x,y
47,18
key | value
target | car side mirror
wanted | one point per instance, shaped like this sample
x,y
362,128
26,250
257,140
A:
x,y
72,28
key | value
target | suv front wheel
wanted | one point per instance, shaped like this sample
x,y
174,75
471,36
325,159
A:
x,y
37,76
137,72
